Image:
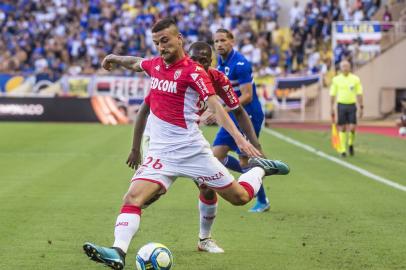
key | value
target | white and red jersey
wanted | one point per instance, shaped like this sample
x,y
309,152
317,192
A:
x,y
174,92
223,88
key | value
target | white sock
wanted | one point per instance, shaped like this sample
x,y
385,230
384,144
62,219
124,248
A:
x,y
127,225
252,180
208,212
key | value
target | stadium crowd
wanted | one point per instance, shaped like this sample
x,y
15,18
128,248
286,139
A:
x,y
59,36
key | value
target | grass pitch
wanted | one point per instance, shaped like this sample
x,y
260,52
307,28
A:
x,y
62,184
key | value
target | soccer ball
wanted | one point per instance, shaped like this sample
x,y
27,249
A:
x,y
154,256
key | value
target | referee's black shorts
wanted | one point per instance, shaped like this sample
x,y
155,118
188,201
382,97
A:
x,y
347,114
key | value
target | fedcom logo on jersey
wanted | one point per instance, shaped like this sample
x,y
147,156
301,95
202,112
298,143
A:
x,y
163,85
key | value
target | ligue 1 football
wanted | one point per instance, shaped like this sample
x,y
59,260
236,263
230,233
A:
x,y
154,256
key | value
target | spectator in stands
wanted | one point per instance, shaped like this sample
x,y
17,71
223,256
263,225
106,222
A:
x,y
346,10
274,58
372,8
288,55
298,49
335,11
73,36
387,19
341,52
310,44
358,15
313,62
295,14
247,49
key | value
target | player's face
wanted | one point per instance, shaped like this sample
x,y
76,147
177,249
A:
x,y
222,44
168,42
203,57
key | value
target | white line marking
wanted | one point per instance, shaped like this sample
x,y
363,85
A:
x,y
336,160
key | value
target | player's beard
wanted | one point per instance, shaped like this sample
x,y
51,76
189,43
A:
x,y
222,52
168,57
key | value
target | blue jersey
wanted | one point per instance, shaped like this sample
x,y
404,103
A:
x,y
239,71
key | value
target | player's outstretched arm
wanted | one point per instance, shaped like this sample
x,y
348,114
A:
x,y
129,62
134,159
225,121
245,124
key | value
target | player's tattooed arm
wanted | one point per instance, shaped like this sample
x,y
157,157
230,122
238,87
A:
x,y
246,126
129,62
225,121
134,158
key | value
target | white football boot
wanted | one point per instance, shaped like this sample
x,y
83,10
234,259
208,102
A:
x,y
209,245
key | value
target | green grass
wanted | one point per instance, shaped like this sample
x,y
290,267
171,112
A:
x,y
62,184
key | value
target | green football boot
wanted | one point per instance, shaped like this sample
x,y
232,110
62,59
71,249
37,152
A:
x,y
270,167
111,257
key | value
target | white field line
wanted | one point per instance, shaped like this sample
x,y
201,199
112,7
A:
x,y
336,160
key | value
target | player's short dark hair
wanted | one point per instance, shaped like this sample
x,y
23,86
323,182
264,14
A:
x,y
200,45
225,31
163,24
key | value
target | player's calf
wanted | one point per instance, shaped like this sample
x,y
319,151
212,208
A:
x,y
237,193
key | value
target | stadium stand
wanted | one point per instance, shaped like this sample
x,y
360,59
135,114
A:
x,y
53,37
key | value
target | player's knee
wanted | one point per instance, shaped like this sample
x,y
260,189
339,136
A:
x,y
239,199
207,193
219,153
133,199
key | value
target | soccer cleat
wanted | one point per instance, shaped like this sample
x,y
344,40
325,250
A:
x,y
343,154
209,245
111,257
260,207
270,166
351,150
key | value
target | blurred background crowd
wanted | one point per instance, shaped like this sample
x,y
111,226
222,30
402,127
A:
x,y
53,37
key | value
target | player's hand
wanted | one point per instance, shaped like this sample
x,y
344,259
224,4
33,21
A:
x,y
134,159
209,118
361,112
108,62
246,147
259,148
262,152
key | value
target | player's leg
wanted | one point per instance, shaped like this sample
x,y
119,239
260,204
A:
x,y
126,226
208,170
208,210
241,192
262,202
342,133
221,153
248,184
222,144
352,125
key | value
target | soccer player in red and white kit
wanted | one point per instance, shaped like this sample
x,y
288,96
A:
x,y
200,52
177,147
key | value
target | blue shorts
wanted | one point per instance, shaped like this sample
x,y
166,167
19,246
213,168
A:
x,y
224,138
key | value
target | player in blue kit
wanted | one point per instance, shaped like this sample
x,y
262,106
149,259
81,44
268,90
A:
x,y
238,70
